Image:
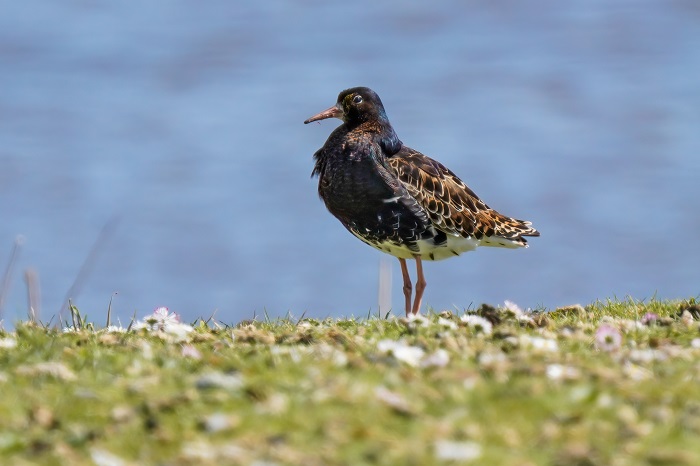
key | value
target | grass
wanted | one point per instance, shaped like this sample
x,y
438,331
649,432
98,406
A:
x,y
614,383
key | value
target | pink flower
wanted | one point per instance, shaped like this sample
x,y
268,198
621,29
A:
x,y
650,318
608,338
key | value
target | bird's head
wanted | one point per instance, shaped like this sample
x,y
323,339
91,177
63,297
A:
x,y
356,105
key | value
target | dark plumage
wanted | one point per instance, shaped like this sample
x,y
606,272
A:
x,y
398,200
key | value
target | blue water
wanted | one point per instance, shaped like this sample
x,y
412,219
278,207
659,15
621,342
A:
x,y
181,123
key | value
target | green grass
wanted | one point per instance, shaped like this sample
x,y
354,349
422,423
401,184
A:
x,y
535,391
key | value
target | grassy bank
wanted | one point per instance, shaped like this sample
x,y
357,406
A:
x,y
614,383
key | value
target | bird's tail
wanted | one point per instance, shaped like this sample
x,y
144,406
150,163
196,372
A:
x,y
515,230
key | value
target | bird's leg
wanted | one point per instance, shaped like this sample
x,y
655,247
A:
x,y
420,285
407,287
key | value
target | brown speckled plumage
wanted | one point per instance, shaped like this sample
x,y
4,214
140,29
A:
x,y
450,204
398,200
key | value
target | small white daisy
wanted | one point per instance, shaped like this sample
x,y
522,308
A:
x,y
477,323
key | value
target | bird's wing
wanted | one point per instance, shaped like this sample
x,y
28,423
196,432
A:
x,y
450,204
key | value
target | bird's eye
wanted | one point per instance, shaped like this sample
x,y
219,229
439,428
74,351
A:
x,y
357,99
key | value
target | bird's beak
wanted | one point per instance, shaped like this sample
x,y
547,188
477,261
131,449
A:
x,y
333,112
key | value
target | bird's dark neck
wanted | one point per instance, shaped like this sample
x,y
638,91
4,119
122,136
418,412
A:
x,y
378,132
382,132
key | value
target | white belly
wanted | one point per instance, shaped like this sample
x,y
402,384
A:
x,y
428,250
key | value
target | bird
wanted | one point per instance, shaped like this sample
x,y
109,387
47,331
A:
x,y
398,200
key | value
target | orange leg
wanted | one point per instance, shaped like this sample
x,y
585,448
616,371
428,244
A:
x,y
420,286
407,287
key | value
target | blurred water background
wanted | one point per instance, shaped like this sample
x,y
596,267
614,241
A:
x,y
179,126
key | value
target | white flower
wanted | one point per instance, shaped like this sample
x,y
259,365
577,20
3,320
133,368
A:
x,y
418,320
446,450
544,344
161,318
8,342
538,344
179,332
104,458
561,372
219,422
410,355
477,324
628,325
165,322
520,315
413,355
446,323
512,307
115,329
647,355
